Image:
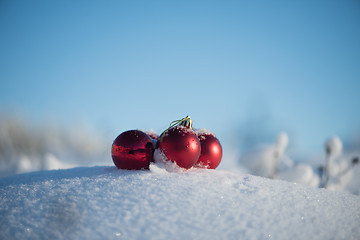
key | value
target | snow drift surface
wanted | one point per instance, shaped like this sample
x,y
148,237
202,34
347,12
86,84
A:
x,y
106,203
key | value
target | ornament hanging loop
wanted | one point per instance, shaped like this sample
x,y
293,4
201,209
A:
x,y
186,122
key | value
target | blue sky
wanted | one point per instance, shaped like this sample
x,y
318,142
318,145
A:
x,y
278,65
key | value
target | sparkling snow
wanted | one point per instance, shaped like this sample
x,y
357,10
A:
x,y
107,203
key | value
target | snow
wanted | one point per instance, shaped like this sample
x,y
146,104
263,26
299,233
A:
x,y
263,161
167,202
163,163
300,173
333,146
340,173
106,203
204,131
26,147
339,170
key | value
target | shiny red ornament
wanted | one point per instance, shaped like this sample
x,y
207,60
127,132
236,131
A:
x,y
132,150
211,151
180,145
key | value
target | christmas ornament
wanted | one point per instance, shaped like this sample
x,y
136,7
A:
x,y
211,150
132,150
180,144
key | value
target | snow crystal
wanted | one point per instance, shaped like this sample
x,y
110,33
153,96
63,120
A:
x,y
107,203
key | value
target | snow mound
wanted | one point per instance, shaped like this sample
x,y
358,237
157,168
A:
x,y
107,203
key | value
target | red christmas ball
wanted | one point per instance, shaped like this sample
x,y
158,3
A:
x,y
180,145
211,151
132,150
